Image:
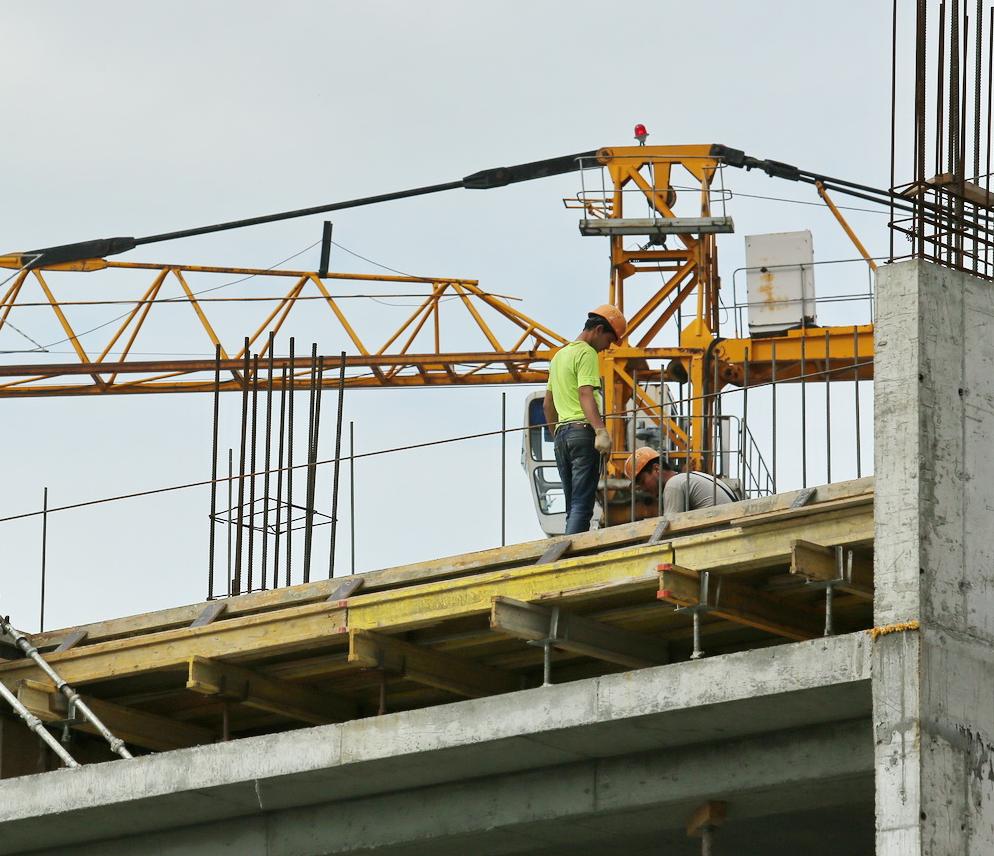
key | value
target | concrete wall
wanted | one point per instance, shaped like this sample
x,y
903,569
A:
x,y
934,562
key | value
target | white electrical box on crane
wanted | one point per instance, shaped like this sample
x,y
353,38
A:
x,y
780,282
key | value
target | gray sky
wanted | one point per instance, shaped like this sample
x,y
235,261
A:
x,y
130,119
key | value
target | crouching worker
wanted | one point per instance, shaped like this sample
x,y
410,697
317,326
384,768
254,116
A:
x,y
681,491
573,404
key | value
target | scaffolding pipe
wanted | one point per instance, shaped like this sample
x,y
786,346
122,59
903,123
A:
x,y
35,724
75,702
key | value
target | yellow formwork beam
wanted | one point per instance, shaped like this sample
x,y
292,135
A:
x,y
252,635
412,607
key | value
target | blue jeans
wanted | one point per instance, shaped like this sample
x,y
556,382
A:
x,y
578,463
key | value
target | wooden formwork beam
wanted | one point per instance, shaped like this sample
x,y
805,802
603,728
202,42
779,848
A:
x,y
576,634
821,564
136,727
261,692
735,601
430,668
251,635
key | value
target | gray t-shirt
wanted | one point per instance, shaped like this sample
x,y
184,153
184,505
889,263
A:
x,y
687,491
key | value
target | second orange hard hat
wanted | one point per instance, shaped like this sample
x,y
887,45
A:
x,y
644,455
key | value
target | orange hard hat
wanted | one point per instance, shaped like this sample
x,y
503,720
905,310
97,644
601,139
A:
x,y
613,316
644,455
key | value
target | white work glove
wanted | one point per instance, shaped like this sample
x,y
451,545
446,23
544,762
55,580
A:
x,y
602,441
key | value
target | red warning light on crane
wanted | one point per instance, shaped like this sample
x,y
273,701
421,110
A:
x,y
640,134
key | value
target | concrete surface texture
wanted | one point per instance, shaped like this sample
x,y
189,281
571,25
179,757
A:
x,y
933,690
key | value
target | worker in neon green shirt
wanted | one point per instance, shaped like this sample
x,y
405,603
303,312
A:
x,y
573,406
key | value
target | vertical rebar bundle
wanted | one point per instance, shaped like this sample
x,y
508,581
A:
x,y
951,219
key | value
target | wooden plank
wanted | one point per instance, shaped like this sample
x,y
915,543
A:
x,y
424,666
71,641
252,635
739,603
767,546
455,566
261,692
803,510
135,727
817,562
555,552
576,634
968,190
210,613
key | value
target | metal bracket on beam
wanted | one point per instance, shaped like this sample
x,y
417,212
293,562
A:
x,y
555,551
210,613
71,640
657,534
547,644
803,498
347,588
699,609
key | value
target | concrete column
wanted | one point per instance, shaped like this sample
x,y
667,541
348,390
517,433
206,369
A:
x,y
933,688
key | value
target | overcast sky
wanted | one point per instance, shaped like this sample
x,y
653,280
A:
x,y
131,119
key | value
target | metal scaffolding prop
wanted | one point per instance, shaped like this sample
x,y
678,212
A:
x,y
75,703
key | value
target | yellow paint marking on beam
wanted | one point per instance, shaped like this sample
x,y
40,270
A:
x,y
135,727
249,636
261,692
424,666
430,603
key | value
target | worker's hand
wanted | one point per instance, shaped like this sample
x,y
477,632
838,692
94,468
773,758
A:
x,y
602,441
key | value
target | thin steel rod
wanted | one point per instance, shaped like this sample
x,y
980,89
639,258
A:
x,y
631,436
352,494
75,702
663,441
940,117
317,388
855,374
893,116
279,481
231,482
503,469
268,459
35,724
237,586
44,556
828,414
336,468
773,399
252,457
289,470
804,415
213,523
745,419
